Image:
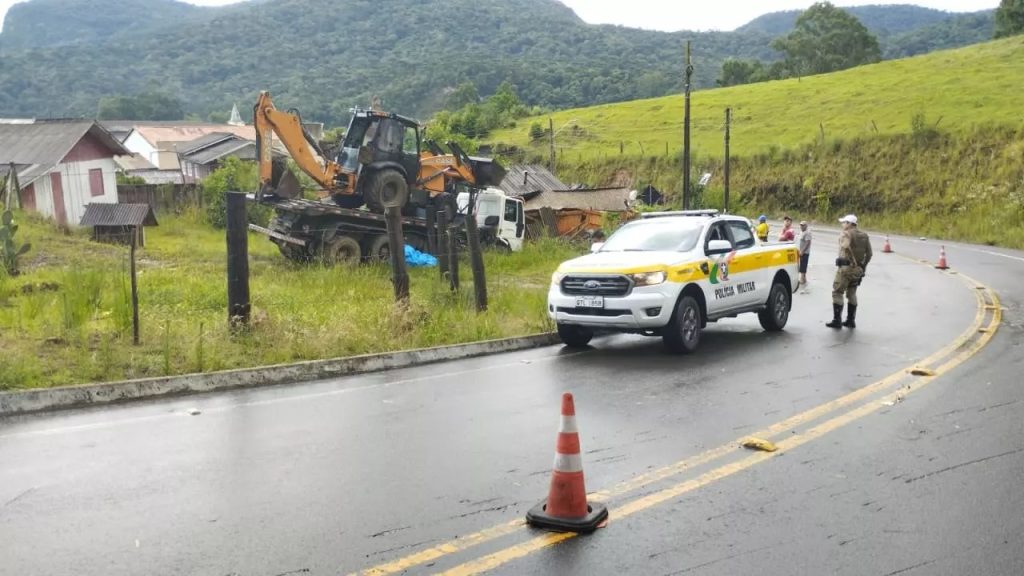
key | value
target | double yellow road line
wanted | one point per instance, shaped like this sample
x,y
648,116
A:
x,y
849,408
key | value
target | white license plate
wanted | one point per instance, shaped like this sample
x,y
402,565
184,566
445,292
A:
x,y
590,302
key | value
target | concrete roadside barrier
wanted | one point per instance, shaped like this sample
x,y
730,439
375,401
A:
x,y
42,399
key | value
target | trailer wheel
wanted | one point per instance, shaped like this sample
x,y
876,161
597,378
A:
x,y
378,249
341,249
386,189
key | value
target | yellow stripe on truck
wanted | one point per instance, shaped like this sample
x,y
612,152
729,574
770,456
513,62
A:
x,y
691,271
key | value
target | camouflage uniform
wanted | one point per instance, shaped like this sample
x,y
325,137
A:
x,y
854,256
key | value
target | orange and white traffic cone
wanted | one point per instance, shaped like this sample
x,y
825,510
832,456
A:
x,y
566,509
887,248
942,259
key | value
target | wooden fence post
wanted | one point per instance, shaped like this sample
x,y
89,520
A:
x,y
135,287
239,306
476,257
441,239
453,249
396,246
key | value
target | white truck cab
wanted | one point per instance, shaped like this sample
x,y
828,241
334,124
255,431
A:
x,y
670,273
499,213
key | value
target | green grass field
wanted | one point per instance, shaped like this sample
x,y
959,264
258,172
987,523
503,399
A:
x,y
67,318
955,89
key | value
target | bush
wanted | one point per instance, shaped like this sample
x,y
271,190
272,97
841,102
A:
x,y
233,175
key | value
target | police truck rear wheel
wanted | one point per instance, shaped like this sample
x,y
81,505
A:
x,y
575,336
682,335
775,315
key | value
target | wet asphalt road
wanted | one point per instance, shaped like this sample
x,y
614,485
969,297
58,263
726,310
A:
x,y
343,475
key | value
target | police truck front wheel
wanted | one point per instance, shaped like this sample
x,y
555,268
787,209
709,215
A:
x,y
776,313
575,336
682,335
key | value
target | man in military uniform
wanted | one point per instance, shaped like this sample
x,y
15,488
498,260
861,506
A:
x,y
854,256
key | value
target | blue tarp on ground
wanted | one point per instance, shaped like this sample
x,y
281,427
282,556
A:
x,y
414,257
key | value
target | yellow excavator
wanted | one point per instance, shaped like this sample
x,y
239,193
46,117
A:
x,y
382,161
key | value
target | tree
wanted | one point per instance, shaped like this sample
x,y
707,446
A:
x,y
145,106
1009,18
827,39
736,72
463,94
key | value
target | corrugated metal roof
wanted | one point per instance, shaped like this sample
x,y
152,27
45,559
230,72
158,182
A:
x,y
157,132
158,176
600,199
48,142
243,149
133,162
118,215
205,141
523,179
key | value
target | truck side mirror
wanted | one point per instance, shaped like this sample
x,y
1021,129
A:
x,y
719,247
596,246
491,221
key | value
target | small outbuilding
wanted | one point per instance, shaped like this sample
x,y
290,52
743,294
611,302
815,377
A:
x,y
118,223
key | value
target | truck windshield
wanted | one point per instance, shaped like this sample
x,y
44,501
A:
x,y
670,234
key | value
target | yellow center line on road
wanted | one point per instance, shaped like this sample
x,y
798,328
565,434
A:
x,y
506,555
643,480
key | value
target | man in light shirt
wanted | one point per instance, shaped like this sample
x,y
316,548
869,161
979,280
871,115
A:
x,y
805,251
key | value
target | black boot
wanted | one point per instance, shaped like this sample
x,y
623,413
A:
x,y
851,316
837,316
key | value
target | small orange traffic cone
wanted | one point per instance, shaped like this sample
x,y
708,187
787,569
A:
x,y
887,248
566,509
942,259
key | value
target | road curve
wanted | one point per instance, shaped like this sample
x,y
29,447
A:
x,y
430,469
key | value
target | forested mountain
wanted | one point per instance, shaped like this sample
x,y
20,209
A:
x,y
902,30
880,19
324,56
60,57
960,30
47,23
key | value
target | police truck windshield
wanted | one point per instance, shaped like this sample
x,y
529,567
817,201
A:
x,y
662,235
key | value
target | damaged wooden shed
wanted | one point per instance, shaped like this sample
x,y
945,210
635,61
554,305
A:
x,y
557,209
118,223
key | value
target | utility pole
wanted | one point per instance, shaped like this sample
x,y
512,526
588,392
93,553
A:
x,y
686,131
728,120
551,140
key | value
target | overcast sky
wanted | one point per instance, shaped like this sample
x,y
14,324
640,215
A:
x,y
674,15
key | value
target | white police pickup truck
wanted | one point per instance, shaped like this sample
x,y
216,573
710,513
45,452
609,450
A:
x,y
670,273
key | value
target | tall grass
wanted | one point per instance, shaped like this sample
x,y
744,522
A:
x,y
82,331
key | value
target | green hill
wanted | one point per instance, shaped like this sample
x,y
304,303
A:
x,y
927,145
954,89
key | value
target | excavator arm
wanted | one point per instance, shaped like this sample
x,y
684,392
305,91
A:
x,y
287,126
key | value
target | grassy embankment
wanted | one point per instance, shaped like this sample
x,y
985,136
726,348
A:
x,y
932,144
67,318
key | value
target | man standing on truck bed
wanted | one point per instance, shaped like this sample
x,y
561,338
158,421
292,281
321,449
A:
x,y
762,228
851,264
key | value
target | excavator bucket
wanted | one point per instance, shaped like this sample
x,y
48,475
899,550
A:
x,y
487,171
288,186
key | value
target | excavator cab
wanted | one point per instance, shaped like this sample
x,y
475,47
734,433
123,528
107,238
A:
x,y
378,142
